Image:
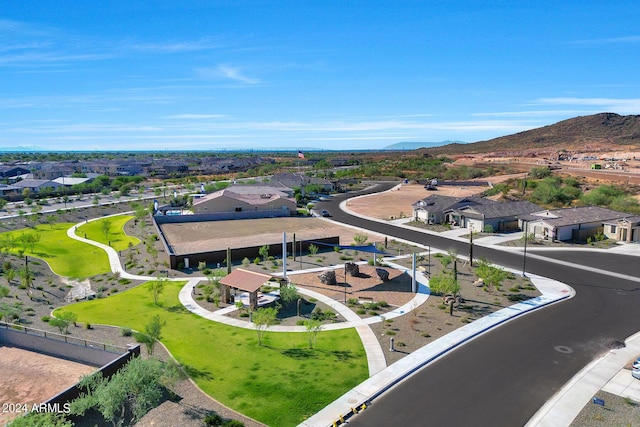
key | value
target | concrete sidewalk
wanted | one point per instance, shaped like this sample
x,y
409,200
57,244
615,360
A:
x,y
605,373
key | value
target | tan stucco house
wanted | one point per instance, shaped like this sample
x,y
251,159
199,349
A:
x,y
239,200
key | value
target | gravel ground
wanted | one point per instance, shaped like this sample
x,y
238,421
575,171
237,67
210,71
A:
x,y
618,411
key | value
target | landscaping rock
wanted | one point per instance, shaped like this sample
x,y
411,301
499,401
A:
x,y
352,269
328,277
382,274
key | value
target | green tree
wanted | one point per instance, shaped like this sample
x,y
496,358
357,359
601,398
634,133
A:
x,y
63,320
540,172
26,277
3,203
155,288
9,313
288,293
313,327
264,252
152,334
444,284
105,227
9,274
360,239
41,419
492,276
313,249
263,318
129,394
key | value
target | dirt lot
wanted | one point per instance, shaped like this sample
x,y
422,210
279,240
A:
x,y
30,378
218,235
397,203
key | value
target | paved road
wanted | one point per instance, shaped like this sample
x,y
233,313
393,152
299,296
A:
x,y
504,376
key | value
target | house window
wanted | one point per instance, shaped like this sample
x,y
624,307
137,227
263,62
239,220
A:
x,y
613,228
238,209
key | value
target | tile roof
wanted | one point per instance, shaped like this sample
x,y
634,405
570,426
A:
x,y
575,215
245,280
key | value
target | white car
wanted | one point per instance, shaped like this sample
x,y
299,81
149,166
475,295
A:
x,y
636,373
636,363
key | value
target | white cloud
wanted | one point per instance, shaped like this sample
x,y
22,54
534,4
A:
x,y
196,116
227,72
616,105
179,46
530,113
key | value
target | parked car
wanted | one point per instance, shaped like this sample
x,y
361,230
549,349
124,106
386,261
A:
x,y
325,213
636,363
636,373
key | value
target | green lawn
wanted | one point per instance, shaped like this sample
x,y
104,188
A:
x,y
116,237
279,384
66,256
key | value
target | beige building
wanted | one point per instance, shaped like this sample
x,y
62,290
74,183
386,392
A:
x,y
261,201
623,230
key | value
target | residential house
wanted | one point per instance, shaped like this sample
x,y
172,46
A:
x,y
626,229
36,185
577,223
12,171
9,189
51,170
471,212
246,200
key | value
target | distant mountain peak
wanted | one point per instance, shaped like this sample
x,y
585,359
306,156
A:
x,y
413,145
578,133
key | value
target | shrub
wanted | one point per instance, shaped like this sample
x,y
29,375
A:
x,y
45,319
126,332
361,311
390,332
88,326
213,420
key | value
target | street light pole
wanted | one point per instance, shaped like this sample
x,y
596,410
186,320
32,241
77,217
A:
x,y
524,258
345,283
471,246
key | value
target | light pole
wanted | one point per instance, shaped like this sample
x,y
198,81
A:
x,y
429,270
345,283
524,258
471,245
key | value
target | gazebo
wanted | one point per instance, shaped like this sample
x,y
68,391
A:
x,y
244,280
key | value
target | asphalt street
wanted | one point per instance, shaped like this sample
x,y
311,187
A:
x,y
504,376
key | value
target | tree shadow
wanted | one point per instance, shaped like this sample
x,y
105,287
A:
x,y
178,308
196,373
300,353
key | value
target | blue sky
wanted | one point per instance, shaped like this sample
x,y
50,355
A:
x,y
209,75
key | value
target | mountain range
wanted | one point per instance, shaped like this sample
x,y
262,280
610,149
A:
x,y
597,132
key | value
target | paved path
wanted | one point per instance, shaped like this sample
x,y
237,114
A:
x,y
375,356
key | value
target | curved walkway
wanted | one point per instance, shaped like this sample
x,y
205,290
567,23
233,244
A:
x,y
375,356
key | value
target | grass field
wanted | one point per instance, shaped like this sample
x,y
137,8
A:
x,y
116,237
279,384
65,256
